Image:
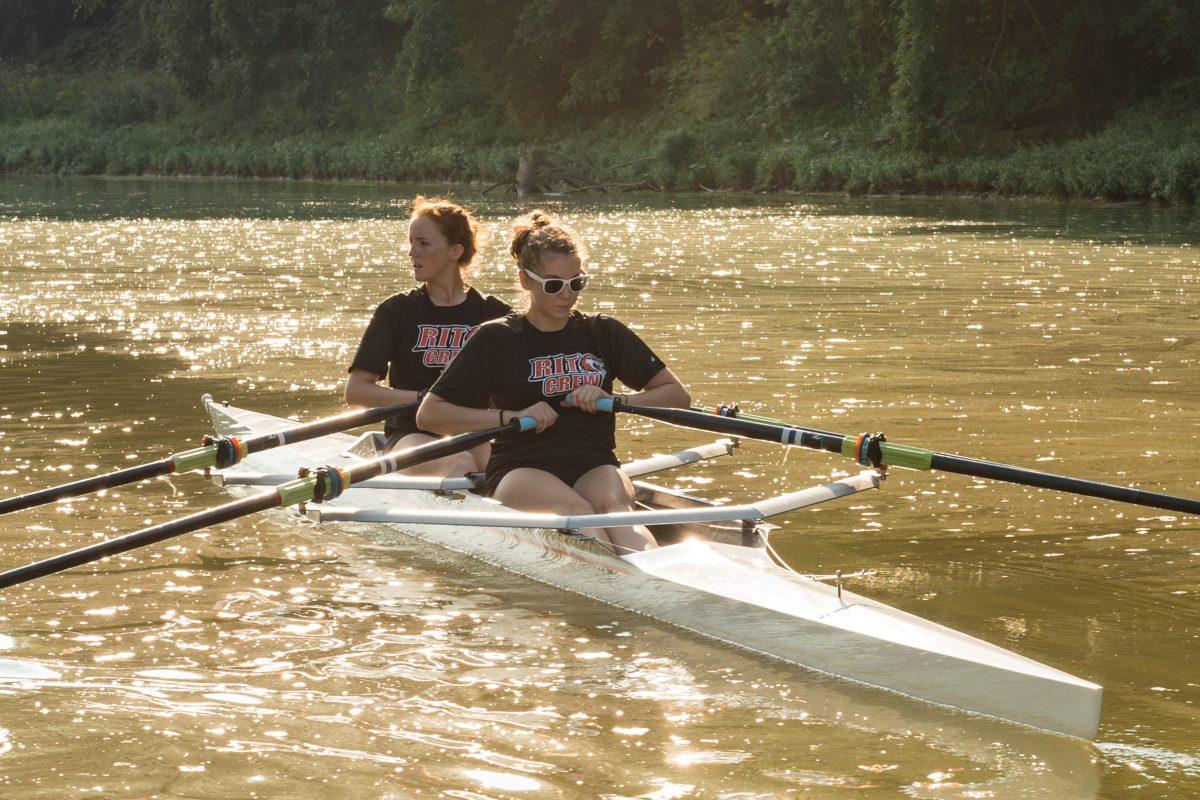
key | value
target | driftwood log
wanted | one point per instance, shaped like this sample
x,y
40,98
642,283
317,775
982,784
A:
x,y
547,172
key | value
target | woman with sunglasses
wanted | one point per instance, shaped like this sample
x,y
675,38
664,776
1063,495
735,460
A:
x,y
552,363
414,334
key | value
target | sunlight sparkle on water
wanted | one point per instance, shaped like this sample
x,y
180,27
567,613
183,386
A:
x,y
995,331
504,781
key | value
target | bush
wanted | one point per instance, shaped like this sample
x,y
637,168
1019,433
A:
x,y
776,168
122,100
1178,178
678,150
735,168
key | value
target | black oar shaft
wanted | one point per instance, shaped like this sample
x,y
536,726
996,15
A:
x,y
909,457
87,485
703,420
431,451
146,536
1046,480
326,426
204,456
297,491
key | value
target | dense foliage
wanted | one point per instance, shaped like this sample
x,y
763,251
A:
x,y
1094,97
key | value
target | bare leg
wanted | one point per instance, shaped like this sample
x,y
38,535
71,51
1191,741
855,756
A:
x,y
481,455
454,466
528,489
608,489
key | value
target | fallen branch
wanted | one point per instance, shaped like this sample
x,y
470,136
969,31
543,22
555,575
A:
x,y
616,167
603,187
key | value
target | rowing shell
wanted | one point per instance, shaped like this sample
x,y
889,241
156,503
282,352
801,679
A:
x,y
713,574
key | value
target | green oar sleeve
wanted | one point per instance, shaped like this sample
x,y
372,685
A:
x,y
900,455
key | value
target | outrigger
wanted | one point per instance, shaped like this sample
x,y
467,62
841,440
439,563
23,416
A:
x,y
714,571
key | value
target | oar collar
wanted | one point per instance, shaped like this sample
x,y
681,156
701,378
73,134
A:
x,y
230,451
868,450
331,482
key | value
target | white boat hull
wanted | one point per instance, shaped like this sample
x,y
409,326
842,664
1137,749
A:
x,y
733,593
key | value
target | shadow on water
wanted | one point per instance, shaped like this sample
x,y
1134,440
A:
x,y
100,198
52,362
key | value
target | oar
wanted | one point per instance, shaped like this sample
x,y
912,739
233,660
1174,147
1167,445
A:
x,y
874,449
221,452
325,483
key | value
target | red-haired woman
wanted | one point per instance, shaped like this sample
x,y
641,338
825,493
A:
x,y
528,364
414,334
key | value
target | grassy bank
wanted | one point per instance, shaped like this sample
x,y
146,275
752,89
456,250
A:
x,y
134,124
1124,162
69,147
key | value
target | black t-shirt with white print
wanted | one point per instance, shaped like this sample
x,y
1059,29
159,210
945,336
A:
x,y
510,364
411,340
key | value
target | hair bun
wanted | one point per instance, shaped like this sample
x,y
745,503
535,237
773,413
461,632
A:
x,y
537,233
524,227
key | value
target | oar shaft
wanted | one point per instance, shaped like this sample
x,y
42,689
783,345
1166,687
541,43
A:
x,y
87,485
297,491
326,426
431,451
146,536
899,455
1046,480
703,420
735,413
206,456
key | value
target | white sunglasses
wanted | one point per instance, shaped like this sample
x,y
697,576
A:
x,y
555,285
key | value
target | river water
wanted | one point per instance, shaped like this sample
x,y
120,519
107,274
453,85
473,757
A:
x,y
268,659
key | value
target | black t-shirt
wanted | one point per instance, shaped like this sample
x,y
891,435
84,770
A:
x,y
510,364
411,340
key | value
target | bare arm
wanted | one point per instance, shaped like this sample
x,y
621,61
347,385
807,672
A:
x,y
363,390
663,390
441,416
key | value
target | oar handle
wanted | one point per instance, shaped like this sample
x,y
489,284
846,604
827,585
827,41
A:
x,y
609,404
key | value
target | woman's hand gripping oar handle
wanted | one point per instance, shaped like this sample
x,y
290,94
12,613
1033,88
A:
x,y
325,484
608,404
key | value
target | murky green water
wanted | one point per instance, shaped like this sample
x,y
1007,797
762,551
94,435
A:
x,y
268,659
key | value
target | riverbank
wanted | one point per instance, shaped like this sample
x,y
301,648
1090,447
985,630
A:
x,y
1160,163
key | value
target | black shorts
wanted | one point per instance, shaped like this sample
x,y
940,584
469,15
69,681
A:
x,y
566,471
395,438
